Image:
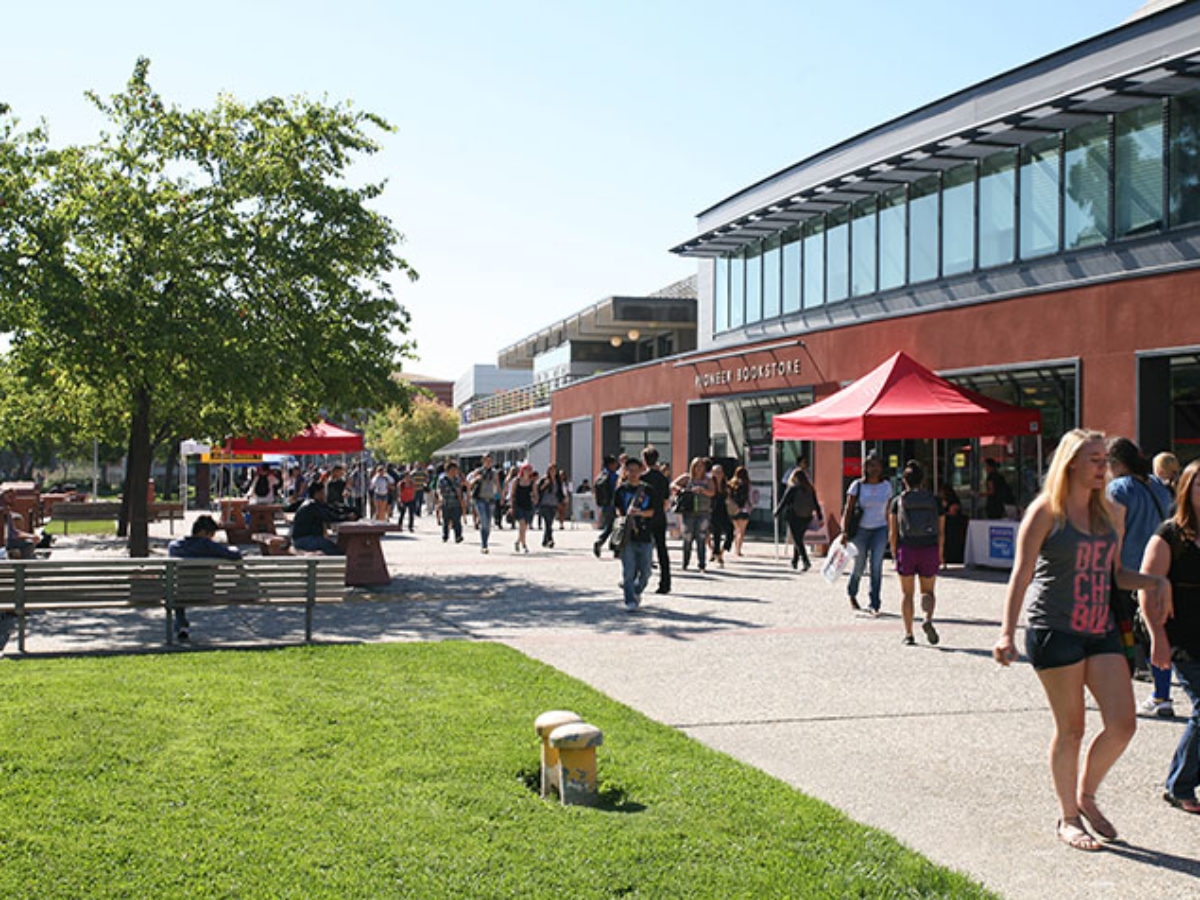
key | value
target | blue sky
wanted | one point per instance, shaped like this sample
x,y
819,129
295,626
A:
x,y
547,154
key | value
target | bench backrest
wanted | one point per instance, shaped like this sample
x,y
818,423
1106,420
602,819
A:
x,y
66,509
63,584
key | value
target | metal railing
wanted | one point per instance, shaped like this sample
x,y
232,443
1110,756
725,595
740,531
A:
x,y
504,403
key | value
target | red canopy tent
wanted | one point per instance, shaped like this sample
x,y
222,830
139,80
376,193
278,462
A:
x,y
319,438
902,399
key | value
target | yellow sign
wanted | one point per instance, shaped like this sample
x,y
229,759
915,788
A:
x,y
226,458
893,462
960,460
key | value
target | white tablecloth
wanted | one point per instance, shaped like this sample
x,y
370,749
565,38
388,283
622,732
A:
x,y
991,542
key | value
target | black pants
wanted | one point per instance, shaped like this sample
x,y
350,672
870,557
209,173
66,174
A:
x,y
608,517
659,530
798,527
451,518
722,534
547,524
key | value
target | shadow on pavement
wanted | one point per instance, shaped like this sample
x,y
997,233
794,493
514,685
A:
x,y
1155,858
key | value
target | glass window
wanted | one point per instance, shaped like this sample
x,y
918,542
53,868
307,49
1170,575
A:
x,y
1039,198
863,247
1139,200
923,230
997,208
837,259
891,239
814,262
1085,203
737,291
771,277
720,294
791,270
1185,159
958,220
754,283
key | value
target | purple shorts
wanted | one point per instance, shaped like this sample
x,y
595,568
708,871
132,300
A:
x,y
923,561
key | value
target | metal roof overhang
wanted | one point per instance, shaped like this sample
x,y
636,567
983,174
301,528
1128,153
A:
x,y
1046,117
602,321
497,440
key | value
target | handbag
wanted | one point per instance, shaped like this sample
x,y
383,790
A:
x,y
620,535
850,527
685,503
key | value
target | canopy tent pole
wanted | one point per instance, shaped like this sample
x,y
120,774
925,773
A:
x,y
935,466
774,490
1039,476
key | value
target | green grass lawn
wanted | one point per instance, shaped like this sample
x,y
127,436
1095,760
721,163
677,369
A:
x,y
389,770
105,526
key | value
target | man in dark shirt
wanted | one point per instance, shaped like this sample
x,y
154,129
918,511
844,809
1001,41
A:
x,y
660,492
308,525
633,500
603,490
199,546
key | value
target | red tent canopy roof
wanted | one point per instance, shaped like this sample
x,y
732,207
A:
x,y
319,438
903,399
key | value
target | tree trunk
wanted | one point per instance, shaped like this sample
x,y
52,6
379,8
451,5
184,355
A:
x,y
137,480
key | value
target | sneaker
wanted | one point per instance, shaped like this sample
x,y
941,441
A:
x,y
854,603
182,635
596,549
910,641
483,549
1152,706
458,540
631,606
875,612
931,634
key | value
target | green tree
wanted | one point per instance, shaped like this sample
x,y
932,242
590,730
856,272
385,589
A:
x,y
412,434
212,269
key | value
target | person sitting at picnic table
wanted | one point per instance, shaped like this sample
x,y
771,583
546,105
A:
x,y
308,525
199,545
17,542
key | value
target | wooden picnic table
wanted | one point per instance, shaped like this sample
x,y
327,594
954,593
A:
x,y
262,517
364,552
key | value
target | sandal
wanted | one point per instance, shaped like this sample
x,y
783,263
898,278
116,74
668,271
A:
x,y
1072,833
1103,828
1187,804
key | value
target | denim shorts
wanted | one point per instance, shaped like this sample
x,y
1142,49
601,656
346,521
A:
x,y
1050,649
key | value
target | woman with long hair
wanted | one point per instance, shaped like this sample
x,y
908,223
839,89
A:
x,y
1067,555
739,490
694,497
796,507
870,494
548,499
521,502
722,523
1174,552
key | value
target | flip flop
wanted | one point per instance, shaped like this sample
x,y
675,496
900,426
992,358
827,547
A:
x,y
1073,834
1187,804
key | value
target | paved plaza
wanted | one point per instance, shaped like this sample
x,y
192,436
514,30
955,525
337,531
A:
x,y
936,745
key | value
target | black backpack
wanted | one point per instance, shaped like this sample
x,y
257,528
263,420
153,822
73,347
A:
x,y
604,488
917,518
262,486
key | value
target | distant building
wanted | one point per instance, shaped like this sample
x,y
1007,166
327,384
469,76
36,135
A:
x,y
441,388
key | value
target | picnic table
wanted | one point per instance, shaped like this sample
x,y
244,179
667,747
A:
x,y
262,517
364,553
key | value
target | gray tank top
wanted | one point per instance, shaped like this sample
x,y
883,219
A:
x,y
1071,581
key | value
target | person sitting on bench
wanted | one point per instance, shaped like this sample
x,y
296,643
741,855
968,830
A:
x,y
199,546
308,525
18,543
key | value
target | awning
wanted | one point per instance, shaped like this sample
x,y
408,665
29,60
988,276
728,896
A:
x,y
315,439
497,440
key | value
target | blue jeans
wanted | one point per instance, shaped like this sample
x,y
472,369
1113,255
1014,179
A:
x,y
1185,765
695,528
484,508
871,541
635,569
322,544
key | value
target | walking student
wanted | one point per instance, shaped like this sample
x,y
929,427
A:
x,y
450,494
721,522
796,507
739,490
1174,552
634,500
484,485
660,487
549,497
917,532
867,502
693,502
604,490
1067,552
521,502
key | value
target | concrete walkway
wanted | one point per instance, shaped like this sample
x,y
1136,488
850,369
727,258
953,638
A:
x,y
936,745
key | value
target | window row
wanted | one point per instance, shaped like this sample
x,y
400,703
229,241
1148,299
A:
x,y
1111,179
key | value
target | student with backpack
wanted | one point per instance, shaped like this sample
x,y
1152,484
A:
x,y
916,530
605,491
796,507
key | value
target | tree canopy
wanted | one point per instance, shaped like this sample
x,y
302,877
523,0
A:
x,y
214,270
412,434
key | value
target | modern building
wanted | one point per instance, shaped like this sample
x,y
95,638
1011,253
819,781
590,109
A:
x,y
612,333
442,389
1035,237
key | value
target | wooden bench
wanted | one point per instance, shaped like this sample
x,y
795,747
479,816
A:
x,y
67,512
31,586
156,511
